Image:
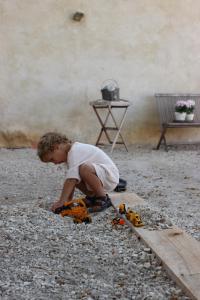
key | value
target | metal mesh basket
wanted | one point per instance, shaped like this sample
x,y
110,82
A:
x,y
110,90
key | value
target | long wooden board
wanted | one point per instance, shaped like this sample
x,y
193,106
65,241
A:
x,y
178,251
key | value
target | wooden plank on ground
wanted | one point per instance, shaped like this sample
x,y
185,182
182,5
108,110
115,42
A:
x,y
178,251
131,199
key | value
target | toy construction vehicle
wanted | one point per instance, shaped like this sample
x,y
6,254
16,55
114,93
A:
x,y
118,221
122,208
131,215
134,218
75,209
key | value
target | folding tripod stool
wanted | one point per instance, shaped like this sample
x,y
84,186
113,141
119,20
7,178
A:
x,y
108,106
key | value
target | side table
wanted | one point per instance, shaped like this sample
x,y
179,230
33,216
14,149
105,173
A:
x,y
109,106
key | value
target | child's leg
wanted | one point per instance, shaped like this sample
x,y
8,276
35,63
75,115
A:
x,y
83,188
90,179
96,200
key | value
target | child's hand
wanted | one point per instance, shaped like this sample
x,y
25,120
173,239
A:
x,y
56,204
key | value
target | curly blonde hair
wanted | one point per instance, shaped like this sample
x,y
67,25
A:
x,y
48,141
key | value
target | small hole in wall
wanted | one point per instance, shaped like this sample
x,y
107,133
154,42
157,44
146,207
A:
x,y
78,16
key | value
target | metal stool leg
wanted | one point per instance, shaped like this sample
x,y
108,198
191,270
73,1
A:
x,y
103,129
118,129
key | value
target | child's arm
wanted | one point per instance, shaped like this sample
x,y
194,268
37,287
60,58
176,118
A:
x,y
67,193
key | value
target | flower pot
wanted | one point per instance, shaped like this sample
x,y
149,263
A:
x,y
189,117
180,116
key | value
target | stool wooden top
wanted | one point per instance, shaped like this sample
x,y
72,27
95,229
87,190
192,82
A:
x,y
106,103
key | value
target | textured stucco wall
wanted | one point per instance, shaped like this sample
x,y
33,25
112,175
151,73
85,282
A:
x,y
51,66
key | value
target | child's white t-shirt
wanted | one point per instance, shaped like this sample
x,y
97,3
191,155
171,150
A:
x,y
105,168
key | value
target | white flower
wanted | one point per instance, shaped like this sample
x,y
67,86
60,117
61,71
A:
x,y
190,103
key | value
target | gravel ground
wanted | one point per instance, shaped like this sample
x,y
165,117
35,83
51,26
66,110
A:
x,y
44,256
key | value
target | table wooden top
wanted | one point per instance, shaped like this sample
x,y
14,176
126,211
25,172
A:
x,y
106,103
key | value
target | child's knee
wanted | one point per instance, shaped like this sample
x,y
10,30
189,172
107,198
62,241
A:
x,y
86,169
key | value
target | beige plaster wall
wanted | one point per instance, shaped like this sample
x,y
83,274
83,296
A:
x,y
51,66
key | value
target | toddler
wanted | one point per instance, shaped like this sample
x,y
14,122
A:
x,y
89,169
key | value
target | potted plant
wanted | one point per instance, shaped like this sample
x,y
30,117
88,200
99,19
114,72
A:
x,y
190,110
180,110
